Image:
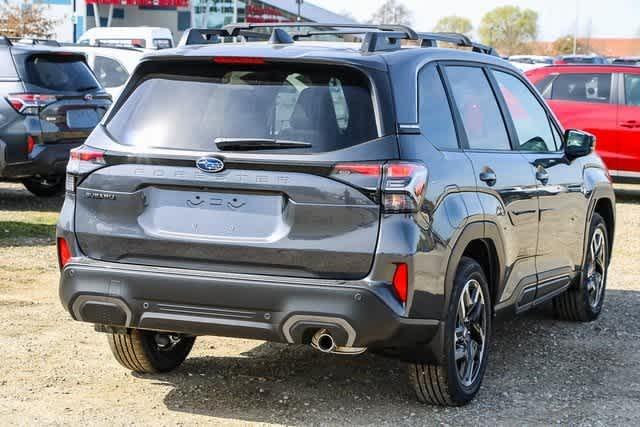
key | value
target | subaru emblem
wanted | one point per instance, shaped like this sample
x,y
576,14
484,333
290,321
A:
x,y
209,164
88,97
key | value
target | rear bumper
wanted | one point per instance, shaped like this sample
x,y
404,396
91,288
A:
x,y
359,314
45,160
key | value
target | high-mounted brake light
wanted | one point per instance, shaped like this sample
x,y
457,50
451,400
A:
x,y
238,60
401,282
64,252
29,103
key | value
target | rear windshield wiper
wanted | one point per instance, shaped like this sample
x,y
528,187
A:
x,y
249,144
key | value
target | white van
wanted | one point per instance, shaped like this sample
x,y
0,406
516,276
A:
x,y
138,37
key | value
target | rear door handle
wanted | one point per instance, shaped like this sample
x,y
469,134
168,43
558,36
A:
x,y
542,175
488,176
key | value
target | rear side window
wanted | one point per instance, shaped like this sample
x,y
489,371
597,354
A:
x,y
582,87
436,121
7,69
110,73
529,117
632,89
162,43
139,43
481,117
57,73
328,107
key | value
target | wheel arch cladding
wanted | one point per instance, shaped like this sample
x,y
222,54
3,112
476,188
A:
x,y
480,241
604,208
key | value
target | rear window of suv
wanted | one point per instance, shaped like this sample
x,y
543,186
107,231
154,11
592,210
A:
x,y
58,73
330,108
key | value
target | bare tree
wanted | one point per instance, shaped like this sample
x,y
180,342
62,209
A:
x,y
24,19
391,12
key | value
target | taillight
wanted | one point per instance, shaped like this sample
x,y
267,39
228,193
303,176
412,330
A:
x,y
29,103
82,160
362,175
402,184
403,187
31,143
64,252
401,282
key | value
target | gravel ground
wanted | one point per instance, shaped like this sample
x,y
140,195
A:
x,y
542,371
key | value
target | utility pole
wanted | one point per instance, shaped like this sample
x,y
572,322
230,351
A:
x,y
299,3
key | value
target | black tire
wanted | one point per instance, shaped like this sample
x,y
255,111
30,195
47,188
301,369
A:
x,y
583,301
141,352
45,187
442,384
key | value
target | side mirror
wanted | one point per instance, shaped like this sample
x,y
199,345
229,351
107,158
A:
x,y
578,143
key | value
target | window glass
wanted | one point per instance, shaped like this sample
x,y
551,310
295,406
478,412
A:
x,y
544,86
436,121
479,109
529,117
58,73
632,89
330,108
7,69
162,43
110,73
582,87
557,136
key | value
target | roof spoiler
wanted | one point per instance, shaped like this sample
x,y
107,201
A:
x,y
377,38
34,41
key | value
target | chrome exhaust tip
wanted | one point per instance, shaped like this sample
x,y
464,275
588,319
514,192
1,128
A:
x,y
323,341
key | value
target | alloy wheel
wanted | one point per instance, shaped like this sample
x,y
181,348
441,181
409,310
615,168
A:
x,y
596,267
470,333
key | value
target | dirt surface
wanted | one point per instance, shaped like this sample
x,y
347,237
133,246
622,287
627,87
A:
x,y
542,371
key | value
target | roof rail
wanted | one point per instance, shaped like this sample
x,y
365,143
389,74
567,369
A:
x,y
377,37
431,39
5,41
235,29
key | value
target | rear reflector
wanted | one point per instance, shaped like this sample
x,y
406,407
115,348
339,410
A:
x,y
64,253
240,60
31,142
401,281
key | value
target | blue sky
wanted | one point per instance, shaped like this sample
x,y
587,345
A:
x,y
601,18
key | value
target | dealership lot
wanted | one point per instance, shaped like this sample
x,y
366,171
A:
x,y
55,370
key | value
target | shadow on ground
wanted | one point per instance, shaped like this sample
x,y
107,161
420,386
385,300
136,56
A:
x,y
14,197
532,357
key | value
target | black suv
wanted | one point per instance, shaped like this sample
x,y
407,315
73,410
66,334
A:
x,y
392,196
49,103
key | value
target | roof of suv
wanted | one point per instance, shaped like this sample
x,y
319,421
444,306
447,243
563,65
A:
x,y
329,52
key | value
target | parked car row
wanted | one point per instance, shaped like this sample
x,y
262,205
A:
x,y
530,62
52,102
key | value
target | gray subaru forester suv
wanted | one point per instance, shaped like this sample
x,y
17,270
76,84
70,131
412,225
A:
x,y
391,196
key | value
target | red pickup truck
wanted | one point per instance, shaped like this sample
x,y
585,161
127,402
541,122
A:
x,y
603,100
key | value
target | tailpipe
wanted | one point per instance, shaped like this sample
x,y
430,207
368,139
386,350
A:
x,y
323,341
